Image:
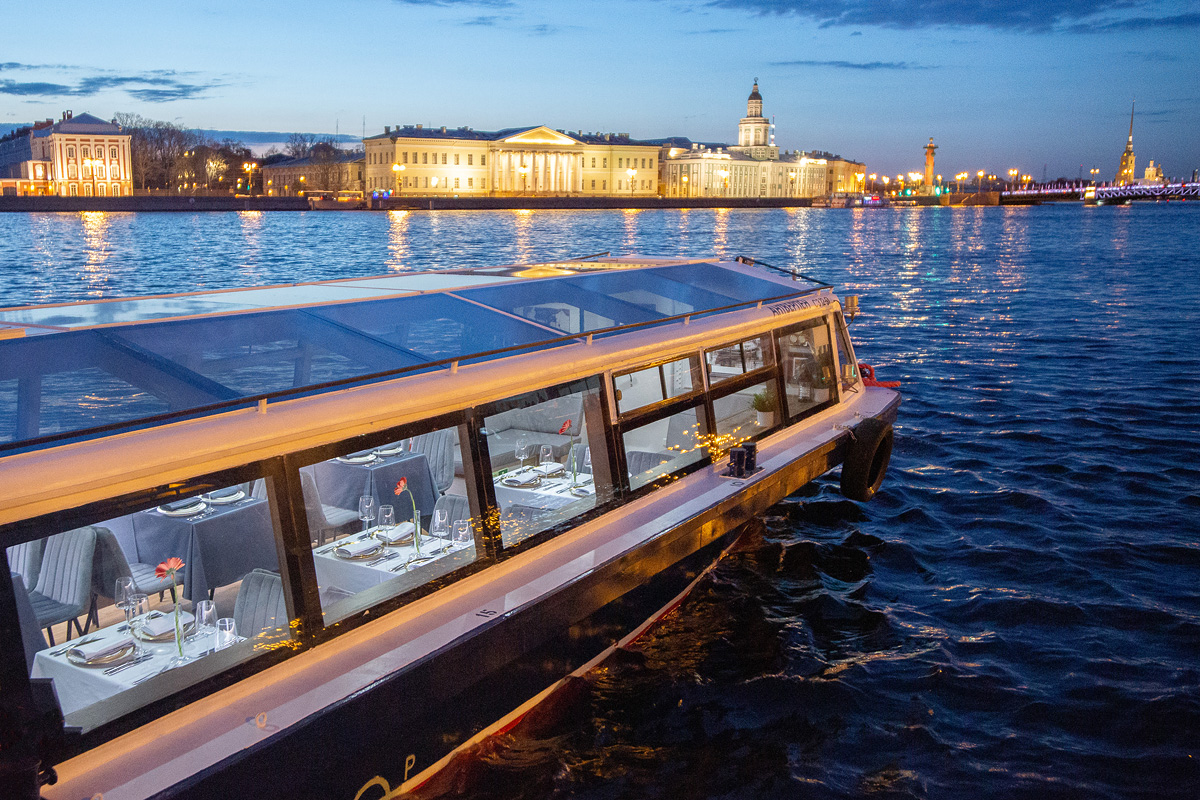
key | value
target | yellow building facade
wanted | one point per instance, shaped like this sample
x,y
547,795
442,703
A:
x,y
78,156
537,162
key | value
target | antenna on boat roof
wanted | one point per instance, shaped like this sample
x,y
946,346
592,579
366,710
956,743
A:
x,y
593,255
781,270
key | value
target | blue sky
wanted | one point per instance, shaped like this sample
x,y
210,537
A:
x,y
997,83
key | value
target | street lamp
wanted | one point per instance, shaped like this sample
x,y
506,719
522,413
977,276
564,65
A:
x,y
249,167
1095,172
396,170
685,185
524,170
631,173
1012,176
725,182
979,181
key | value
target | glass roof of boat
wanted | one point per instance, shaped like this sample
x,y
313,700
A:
x,y
144,365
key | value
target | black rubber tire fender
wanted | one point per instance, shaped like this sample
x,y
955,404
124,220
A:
x,y
867,459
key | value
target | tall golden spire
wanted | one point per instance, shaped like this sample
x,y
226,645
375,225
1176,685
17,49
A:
x,y
1125,171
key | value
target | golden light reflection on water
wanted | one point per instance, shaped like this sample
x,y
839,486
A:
x,y
523,235
251,223
721,231
96,250
629,220
398,245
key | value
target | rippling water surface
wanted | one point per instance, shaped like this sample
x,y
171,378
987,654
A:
x,y
1017,614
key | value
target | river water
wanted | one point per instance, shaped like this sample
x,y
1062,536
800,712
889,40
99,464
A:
x,y
1016,615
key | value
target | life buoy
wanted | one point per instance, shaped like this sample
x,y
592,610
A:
x,y
867,457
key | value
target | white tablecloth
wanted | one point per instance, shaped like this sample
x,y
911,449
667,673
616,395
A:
x,y
356,576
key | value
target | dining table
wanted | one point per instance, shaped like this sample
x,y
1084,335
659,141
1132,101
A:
x,y
342,481
358,574
79,685
219,544
548,494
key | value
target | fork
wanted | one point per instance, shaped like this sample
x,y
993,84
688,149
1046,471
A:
x,y
62,650
139,660
382,559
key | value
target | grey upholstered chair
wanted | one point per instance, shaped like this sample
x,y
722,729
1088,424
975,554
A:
x,y
64,588
639,461
109,563
260,605
322,519
438,448
31,637
25,559
455,506
578,451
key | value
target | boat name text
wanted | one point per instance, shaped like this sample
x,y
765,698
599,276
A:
x,y
788,306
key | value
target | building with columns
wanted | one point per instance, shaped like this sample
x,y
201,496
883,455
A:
x,y
80,156
537,161
754,167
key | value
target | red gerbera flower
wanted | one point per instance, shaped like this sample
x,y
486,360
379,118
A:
x,y
401,485
169,567
566,426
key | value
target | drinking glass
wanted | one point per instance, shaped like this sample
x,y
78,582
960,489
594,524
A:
x,y
206,623
226,632
366,511
462,531
441,526
522,449
124,590
547,454
139,607
387,517
587,460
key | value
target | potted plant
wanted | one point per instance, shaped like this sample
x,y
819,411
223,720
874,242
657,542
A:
x,y
763,404
822,381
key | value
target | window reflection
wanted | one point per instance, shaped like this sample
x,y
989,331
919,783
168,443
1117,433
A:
x,y
664,446
147,599
807,367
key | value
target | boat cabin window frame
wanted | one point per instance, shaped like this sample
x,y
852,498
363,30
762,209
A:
x,y
699,384
842,343
126,710
834,398
380,599
732,384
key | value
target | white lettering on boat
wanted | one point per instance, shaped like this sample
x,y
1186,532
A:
x,y
799,304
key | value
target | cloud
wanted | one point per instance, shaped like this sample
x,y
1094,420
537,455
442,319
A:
x,y
488,20
154,86
1030,16
452,3
859,65
714,31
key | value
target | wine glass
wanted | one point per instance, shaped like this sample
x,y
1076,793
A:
x,y
441,526
387,518
547,454
121,594
226,632
139,607
366,510
462,531
206,623
587,460
523,449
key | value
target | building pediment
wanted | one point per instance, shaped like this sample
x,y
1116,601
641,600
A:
x,y
541,135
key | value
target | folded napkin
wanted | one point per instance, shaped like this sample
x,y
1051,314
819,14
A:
x,y
526,479
179,505
94,650
357,548
160,626
226,494
399,533
390,450
549,469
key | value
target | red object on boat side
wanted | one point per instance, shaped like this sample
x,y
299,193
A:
x,y
868,373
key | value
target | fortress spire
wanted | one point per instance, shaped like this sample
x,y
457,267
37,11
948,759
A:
x,y
1125,170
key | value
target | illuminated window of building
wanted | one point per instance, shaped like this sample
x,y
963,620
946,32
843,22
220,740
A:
x,y
116,192
456,159
443,158
620,163
603,185
470,183
482,181
70,152
112,152
593,162
593,184
427,183
606,163
456,183
100,189
424,158
87,152
470,159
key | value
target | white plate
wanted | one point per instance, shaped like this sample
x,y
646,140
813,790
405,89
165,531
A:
x,y
109,660
367,459
188,511
225,499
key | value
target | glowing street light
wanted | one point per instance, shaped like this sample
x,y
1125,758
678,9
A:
x,y
523,170
1012,176
631,173
396,170
685,186
249,168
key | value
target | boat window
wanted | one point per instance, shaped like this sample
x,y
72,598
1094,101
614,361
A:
x,y
548,457
394,516
646,386
738,359
847,367
127,610
807,361
745,413
664,446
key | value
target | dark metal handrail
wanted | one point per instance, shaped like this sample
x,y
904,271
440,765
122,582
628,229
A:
x,y
210,409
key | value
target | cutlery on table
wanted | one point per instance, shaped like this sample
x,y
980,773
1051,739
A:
x,y
119,667
382,559
62,650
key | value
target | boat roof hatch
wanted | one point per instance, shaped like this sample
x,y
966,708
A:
x,y
86,370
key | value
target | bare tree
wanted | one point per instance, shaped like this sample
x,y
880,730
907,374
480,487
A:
x,y
328,164
299,145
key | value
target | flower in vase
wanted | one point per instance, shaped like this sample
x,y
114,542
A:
x,y
401,488
170,568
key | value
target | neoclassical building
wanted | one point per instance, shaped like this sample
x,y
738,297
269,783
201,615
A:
x,y
754,167
76,156
537,161
341,171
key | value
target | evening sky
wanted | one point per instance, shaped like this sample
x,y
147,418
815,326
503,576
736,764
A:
x,y
1034,84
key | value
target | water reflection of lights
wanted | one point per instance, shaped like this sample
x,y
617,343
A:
x,y
721,232
95,249
252,227
398,245
629,219
523,235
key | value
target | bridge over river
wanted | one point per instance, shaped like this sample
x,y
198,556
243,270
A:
x,y
1100,195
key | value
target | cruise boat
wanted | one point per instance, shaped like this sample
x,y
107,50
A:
x,y
312,540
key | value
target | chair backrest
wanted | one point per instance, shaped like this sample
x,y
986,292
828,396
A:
x,y
25,559
456,507
260,605
122,528
31,634
683,431
66,574
108,563
578,450
640,461
438,448
312,499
